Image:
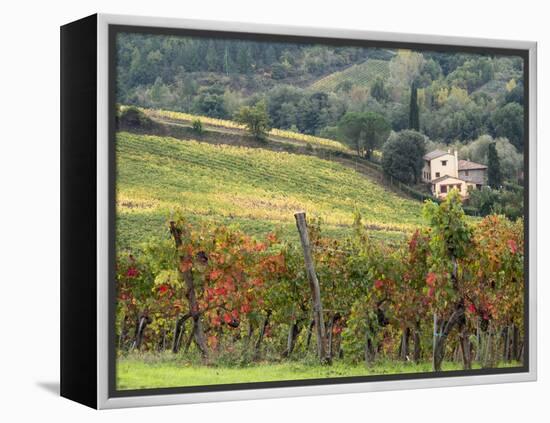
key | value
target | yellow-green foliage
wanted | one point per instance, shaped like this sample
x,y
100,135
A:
x,y
258,189
229,124
360,75
187,117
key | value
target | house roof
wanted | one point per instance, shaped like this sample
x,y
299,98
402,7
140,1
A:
x,y
468,165
435,154
444,177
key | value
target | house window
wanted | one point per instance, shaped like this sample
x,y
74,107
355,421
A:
x,y
443,189
437,174
443,162
466,173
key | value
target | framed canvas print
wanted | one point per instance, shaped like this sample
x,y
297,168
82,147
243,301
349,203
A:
x,y
253,211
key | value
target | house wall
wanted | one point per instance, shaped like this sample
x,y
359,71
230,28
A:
x,y
464,186
451,168
476,176
436,169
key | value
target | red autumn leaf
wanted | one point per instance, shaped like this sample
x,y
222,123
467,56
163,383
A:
x,y
260,247
163,289
215,274
472,308
378,284
227,318
229,284
245,308
216,321
431,278
235,314
132,272
220,291
512,246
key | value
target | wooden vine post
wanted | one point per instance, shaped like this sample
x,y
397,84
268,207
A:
x,y
446,326
315,289
187,277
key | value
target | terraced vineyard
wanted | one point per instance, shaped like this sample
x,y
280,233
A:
x,y
359,75
257,189
229,124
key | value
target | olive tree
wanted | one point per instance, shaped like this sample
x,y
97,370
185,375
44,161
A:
x,y
364,131
256,119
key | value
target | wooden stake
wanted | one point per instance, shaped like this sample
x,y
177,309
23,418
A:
x,y
314,287
187,277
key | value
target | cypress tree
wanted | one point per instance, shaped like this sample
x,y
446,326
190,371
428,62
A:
x,y
494,175
226,61
414,119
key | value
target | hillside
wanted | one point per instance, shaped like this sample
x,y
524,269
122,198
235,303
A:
x,y
257,189
230,126
358,75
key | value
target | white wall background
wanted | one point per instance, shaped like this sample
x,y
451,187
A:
x,y
29,224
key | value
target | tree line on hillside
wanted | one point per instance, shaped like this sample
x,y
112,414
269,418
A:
x,y
464,95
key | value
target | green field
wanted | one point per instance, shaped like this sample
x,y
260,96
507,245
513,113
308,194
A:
x,y
166,370
359,75
255,188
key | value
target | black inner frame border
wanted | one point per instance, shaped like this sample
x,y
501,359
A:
x,y
114,30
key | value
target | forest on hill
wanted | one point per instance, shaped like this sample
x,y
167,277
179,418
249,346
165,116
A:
x,y
310,87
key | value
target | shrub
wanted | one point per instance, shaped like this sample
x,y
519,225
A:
x,y
135,118
256,120
197,126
